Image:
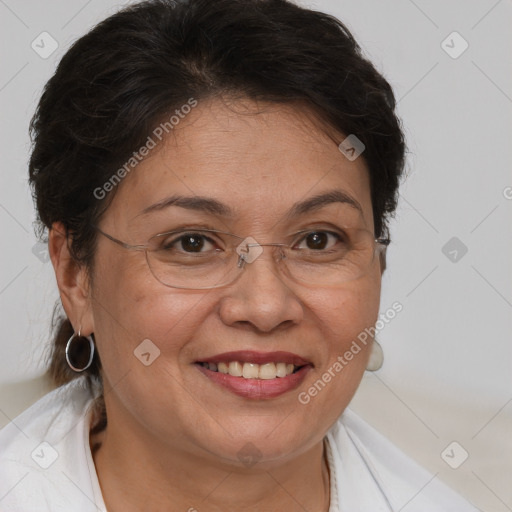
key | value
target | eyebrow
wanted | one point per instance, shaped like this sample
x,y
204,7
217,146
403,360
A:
x,y
212,206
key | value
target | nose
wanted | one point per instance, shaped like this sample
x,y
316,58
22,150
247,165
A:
x,y
261,298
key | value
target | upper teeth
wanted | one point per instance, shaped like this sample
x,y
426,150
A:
x,y
252,370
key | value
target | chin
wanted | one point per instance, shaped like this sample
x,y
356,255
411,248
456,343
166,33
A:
x,y
264,439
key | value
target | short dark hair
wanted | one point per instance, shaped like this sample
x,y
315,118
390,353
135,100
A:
x,y
116,83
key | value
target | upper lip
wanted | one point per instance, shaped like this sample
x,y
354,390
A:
x,y
251,356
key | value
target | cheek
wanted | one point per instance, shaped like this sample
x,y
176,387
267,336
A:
x,y
346,312
131,306
344,318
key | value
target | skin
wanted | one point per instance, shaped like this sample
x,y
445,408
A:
x,y
173,437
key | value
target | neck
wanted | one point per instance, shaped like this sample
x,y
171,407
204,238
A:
x,y
136,473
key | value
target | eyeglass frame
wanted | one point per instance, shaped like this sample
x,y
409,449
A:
x,y
241,258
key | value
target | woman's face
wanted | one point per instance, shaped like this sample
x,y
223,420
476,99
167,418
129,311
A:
x,y
258,165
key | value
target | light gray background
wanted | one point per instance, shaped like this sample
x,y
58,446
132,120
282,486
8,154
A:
x,y
448,358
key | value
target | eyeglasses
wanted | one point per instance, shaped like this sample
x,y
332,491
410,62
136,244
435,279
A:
x,y
198,259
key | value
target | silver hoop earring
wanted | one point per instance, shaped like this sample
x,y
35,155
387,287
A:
x,y
76,357
376,357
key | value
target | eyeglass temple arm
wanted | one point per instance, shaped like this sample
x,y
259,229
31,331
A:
x,y
122,244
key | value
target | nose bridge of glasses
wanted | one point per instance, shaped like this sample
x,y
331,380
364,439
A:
x,y
249,250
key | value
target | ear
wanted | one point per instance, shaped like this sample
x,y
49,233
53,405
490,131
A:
x,y
72,280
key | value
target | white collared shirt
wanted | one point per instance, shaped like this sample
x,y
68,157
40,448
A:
x,y
46,464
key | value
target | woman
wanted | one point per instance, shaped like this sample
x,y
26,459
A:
x,y
216,179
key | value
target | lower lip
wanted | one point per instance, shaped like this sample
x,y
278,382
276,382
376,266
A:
x,y
258,389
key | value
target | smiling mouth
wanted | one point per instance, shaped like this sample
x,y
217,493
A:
x,y
255,375
245,370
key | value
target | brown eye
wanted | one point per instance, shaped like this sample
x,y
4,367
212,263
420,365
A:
x,y
319,240
192,243
188,243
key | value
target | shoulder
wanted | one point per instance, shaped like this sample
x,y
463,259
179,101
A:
x,y
52,412
43,453
372,474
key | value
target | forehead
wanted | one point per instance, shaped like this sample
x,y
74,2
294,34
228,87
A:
x,y
258,159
